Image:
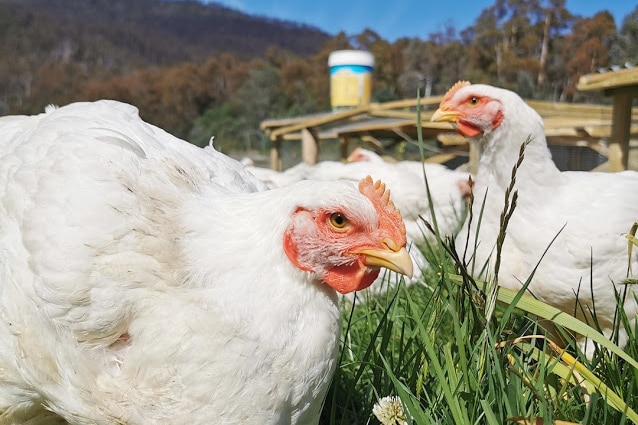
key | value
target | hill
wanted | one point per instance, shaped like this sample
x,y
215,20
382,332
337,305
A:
x,y
73,40
153,31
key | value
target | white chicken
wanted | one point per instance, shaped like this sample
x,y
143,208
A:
x,y
332,170
146,281
586,212
360,154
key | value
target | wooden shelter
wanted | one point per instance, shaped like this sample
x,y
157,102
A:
x,y
374,122
622,86
385,124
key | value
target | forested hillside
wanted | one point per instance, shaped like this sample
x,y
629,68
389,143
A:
x,y
50,48
198,70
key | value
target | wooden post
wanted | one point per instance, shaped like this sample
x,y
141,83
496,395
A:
x,y
343,145
620,130
309,146
275,157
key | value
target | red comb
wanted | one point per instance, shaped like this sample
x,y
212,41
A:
x,y
389,216
456,87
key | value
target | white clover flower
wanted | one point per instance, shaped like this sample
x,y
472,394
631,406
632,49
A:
x,y
389,411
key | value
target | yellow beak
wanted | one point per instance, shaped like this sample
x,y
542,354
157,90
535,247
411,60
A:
x,y
444,115
397,260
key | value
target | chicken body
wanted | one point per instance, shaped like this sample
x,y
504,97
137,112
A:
x,y
578,217
144,280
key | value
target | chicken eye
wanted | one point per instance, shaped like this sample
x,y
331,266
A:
x,y
338,220
473,100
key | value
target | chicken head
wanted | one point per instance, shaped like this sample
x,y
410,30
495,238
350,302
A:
x,y
473,113
345,246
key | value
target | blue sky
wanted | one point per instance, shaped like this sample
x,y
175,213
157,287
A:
x,y
395,19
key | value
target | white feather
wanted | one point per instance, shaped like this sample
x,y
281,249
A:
x,y
143,280
586,212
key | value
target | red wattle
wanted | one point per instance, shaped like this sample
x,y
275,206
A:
x,y
467,130
349,278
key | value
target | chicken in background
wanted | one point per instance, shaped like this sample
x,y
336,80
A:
x,y
449,189
580,216
144,280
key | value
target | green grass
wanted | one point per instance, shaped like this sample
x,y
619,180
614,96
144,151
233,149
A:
x,y
460,351
434,346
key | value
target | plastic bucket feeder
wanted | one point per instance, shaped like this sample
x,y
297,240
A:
x,y
350,78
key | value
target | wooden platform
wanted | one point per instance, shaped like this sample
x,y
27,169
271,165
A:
x,y
385,124
622,86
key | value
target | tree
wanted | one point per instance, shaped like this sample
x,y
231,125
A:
x,y
556,20
624,47
299,97
388,63
587,48
449,53
233,123
420,66
519,44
